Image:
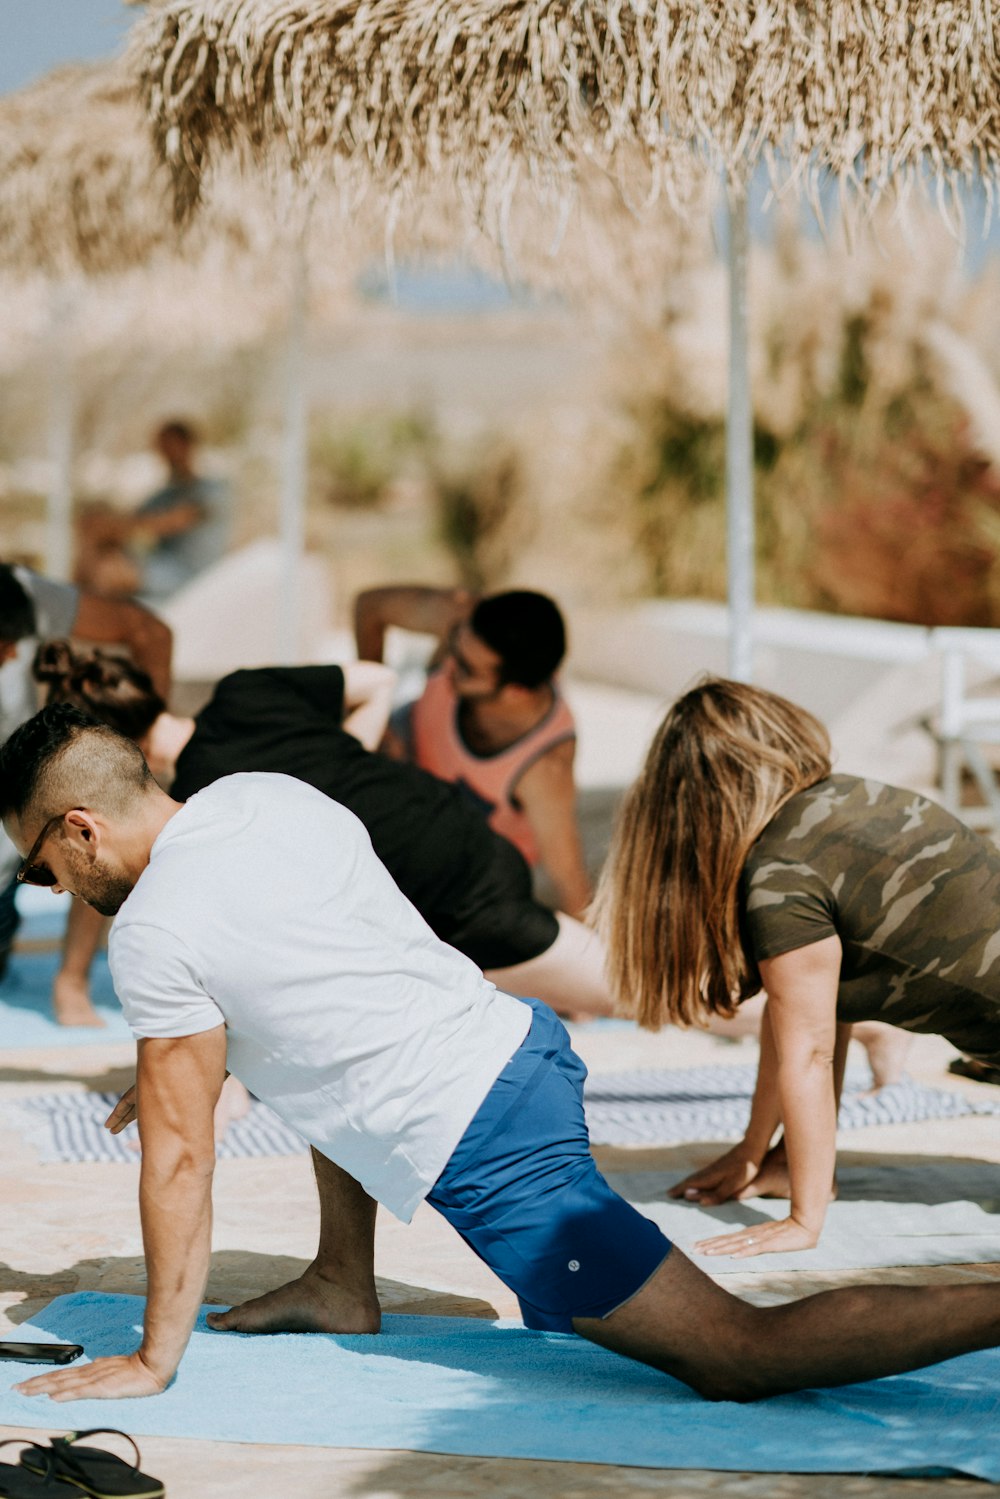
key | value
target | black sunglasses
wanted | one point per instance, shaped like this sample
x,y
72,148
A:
x,y
30,873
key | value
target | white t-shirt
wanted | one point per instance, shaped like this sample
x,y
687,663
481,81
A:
x,y
265,907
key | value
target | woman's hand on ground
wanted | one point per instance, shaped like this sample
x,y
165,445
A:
x,y
105,1379
785,1237
732,1175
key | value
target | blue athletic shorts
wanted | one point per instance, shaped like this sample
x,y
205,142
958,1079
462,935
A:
x,y
523,1191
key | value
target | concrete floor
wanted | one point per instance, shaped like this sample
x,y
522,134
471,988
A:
x,y
75,1227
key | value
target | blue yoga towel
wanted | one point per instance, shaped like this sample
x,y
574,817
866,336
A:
x,y
26,1006
458,1385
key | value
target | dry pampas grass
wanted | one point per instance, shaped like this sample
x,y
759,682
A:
x,y
493,92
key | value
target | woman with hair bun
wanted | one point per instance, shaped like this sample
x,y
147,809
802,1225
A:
x,y
742,862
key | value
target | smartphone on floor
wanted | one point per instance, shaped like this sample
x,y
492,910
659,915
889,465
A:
x,y
40,1353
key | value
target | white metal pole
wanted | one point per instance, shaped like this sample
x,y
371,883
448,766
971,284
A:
x,y
61,412
739,452
294,464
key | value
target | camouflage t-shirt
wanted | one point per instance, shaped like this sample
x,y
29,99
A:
x,y
912,893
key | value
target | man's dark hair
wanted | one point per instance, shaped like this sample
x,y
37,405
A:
x,y
183,431
17,612
65,756
527,632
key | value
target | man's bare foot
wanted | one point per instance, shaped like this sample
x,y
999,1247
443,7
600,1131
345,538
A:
x,y
234,1103
887,1047
309,1304
71,1002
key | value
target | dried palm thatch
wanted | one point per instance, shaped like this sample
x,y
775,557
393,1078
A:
x,y
490,91
80,185
82,191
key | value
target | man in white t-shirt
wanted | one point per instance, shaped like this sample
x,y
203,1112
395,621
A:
x,y
256,928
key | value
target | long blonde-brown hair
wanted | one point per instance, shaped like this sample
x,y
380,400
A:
x,y
725,758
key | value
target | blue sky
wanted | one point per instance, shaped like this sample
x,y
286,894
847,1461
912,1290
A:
x,y
40,34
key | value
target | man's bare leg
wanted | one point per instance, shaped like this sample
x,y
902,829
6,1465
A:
x,y
726,1349
71,1000
337,1292
569,975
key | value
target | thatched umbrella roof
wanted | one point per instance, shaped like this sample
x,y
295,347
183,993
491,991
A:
x,y
487,90
80,186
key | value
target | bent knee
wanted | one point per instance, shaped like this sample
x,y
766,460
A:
x,y
729,1385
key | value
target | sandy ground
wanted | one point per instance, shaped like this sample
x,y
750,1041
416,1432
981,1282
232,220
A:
x,y
75,1227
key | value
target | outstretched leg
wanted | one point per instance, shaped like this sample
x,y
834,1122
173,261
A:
x,y
568,976
726,1349
337,1292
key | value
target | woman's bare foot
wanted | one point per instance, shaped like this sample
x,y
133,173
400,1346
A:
x,y
234,1103
309,1304
887,1047
773,1179
71,1001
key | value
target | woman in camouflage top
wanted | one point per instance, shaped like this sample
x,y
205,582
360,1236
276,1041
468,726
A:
x,y
741,862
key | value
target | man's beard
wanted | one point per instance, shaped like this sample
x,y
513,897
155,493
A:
x,y
102,887
112,897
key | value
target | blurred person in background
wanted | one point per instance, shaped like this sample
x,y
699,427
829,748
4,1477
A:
x,y
34,608
175,534
491,718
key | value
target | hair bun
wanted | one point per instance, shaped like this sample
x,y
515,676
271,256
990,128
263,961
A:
x,y
55,661
100,669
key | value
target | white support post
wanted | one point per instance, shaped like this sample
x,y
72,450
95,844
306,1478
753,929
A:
x,y
739,452
61,415
294,468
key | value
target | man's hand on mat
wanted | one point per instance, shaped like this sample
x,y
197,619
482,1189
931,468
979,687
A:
x,y
732,1175
104,1379
234,1103
763,1238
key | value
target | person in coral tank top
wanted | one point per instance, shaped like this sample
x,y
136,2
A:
x,y
491,718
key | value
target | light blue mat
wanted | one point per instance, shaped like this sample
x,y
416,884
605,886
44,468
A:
x,y
458,1385
26,1006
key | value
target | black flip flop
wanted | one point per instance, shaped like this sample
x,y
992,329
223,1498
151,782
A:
x,y
92,1470
23,1483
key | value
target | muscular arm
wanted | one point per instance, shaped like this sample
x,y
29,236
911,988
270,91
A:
x,y
178,1084
368,689
547,792
124,622
428,611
